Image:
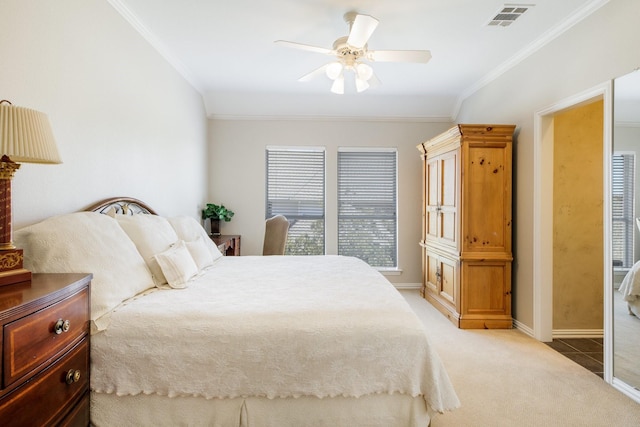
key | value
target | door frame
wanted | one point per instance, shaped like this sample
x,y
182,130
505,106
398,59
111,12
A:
x,y
543,214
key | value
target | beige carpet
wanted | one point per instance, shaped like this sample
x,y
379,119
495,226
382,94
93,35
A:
x,y
506,378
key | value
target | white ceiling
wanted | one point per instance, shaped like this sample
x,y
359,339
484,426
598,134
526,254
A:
x,y
226,50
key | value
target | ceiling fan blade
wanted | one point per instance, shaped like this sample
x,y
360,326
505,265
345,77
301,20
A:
x,y
362,28
306,47
422,56
315,73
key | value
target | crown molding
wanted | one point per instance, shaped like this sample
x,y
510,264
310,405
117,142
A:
x,y
529,50
131,18
379,119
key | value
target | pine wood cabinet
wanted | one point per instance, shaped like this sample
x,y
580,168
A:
x,y
466,224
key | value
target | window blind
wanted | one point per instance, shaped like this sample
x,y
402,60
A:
x,y
296,189
623,222
367,205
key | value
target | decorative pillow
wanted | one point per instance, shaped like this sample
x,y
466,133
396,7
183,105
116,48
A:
x,y
177,265
200,253
87,242
188,229
152,235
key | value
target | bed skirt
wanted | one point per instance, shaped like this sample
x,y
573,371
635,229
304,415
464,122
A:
x,y
154,410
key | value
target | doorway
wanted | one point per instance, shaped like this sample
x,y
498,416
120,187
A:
x,y
543,274
578,247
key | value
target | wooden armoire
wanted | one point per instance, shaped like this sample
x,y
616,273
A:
x,y
466,225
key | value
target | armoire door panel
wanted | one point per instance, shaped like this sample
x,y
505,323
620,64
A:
x,y
486,179
488,289
448,279
449,198
449,184
448,227
432,199
432,223
442,279
431,273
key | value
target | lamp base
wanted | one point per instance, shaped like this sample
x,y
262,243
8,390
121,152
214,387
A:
x,y
11,270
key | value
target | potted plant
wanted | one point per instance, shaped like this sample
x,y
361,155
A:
x,y
215,214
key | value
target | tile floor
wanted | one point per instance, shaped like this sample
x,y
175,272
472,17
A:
x,y
587,352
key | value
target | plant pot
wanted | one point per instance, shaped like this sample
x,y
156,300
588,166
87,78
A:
x,y
215,226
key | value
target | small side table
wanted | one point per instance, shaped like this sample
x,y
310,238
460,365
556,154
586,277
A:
x,y
229,244
45,378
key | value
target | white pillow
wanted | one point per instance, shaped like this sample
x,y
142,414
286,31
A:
x,y
152,235
188,229
200,253
87,242
177,265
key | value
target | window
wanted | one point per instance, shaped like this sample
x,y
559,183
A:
x,y
622,209
295,189
367,202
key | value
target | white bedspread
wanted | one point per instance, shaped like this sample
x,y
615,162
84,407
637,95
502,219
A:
x,y
630,287
272,327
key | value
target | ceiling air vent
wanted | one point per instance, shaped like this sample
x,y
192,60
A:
x,y
508,14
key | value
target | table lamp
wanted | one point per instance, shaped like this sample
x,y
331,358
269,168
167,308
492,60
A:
x,y
25,137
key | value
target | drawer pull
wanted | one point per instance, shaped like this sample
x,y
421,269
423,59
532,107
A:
x,y
73,376
62,326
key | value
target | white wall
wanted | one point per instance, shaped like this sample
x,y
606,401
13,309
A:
x,y
125,121
237,174
599,48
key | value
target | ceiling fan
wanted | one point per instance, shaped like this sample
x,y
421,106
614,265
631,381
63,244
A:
x,y
352,51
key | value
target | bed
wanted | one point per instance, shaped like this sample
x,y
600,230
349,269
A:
x,y
184,336
630,286
630,289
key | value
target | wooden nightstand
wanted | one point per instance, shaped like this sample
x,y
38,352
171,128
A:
x,y
45,351
229,244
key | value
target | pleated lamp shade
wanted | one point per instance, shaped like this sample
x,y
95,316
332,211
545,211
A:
x,y
26,135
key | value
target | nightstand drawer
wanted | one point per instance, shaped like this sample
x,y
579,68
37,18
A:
x,y
48,396
43,335
79,415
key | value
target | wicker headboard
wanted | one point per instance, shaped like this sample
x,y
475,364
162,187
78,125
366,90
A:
x,y
121,205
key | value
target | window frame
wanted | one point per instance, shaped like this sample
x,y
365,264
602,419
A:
x,y
395,216
292,218
628,215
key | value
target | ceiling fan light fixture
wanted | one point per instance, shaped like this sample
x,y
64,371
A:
x,y
349,50
334,70
364,71
361,85
338,85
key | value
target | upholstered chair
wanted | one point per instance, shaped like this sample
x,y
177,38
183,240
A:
x,y
275,235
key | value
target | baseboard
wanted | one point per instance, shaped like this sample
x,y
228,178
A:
x,y
578,333
408,286
562,333
523,328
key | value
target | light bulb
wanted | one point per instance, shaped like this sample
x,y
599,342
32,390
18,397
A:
x,y
334,70
364,71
